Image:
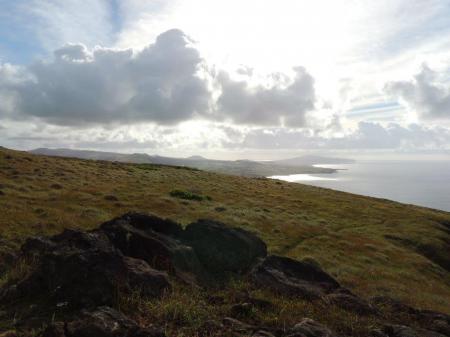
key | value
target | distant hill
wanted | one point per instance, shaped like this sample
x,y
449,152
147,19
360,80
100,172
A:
x,y
312,160
196,158
246,168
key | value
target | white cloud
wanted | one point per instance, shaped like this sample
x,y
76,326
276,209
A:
x,y
279,104
166,83
104,86
426,95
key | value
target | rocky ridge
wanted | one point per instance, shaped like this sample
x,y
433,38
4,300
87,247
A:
x,y
83,272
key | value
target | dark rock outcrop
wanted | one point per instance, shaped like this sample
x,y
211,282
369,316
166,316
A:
x,y
157,241
83,269
102,322
206,252
291,277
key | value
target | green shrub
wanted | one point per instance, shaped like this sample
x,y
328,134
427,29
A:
x,y
189,195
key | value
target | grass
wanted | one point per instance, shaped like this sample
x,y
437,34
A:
x,y
350,236
189,311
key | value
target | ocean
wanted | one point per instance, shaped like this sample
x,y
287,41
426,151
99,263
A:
x,y
424,183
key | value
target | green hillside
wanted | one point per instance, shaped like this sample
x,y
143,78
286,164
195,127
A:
x,y
372,246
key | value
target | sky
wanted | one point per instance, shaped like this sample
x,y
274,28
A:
x,y
227,79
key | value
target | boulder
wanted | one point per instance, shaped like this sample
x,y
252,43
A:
x,y
310,328
292,277
84,269
157,241
206,252
222,249
102,322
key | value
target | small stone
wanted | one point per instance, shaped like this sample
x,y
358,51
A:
x,y
241,310
310,328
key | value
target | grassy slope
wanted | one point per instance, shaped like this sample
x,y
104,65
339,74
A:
x,y
345,233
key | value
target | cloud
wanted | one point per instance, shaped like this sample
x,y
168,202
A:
x,y
424,95
278,104
165,83
367,136
104,86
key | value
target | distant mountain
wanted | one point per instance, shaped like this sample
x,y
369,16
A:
x,y
312,160
196,158
238,167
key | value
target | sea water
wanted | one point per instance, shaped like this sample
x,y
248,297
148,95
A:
x,y
424,183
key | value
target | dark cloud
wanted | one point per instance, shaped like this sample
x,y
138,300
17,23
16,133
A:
x,y
424,94
159,84
275,105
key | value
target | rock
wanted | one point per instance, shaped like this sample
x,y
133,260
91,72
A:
x,y
216,299
157,241
259,303
103,322
262,333
204,253
399,331
56,329
145,223
111,197
35,246
223,249
434,321
141,277
430,320
386,302
85,270
394,330
8,255
209,327
377,333
351,302
310,328
241,310
9,334
291,277
237,325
